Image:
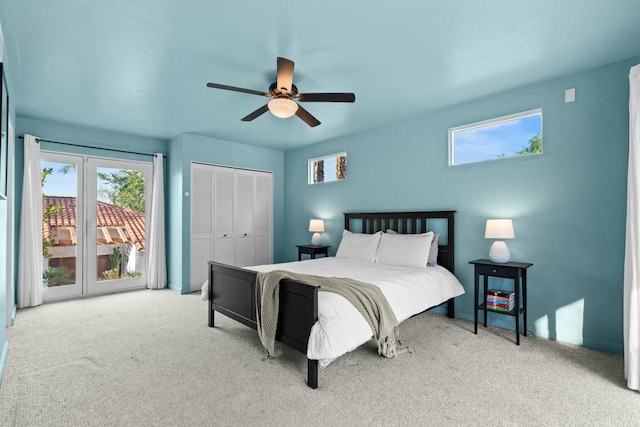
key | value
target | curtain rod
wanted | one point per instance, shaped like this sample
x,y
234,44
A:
x,y
95,148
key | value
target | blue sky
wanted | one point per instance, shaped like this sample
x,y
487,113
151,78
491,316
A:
x,y
58,184
61,184
329,169
329,164
492,141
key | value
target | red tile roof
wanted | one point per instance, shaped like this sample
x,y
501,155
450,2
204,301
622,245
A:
x,y
108,216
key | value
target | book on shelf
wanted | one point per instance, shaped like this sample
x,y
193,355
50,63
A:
x,y
493,304
500,294
501,301
498,308
495,298
501,306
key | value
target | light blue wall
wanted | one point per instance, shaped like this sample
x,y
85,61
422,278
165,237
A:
x,y
190,147
568,205
174,218
102,138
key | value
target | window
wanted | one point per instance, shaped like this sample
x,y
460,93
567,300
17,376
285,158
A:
x,y
510,136
329,168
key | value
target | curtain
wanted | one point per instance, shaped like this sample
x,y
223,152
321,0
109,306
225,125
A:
x,y
156,258
632,246
30,251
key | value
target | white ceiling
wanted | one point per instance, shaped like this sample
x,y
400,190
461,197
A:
x,y
141,66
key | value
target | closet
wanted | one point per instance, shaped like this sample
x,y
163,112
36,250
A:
x,y
231,218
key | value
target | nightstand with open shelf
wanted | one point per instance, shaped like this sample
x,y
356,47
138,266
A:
x,y
517,271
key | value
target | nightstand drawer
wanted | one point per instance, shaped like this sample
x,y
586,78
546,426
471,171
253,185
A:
x,y
308,250
496,271
312,250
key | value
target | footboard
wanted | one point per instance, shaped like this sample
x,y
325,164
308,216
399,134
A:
x,y
232,292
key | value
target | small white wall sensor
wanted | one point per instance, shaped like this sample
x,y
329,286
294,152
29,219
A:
x,y
570,95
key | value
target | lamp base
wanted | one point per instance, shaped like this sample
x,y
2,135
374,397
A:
x,y
316,239
499,252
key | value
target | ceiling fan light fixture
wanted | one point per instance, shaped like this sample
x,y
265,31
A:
x,y
282,107
283,93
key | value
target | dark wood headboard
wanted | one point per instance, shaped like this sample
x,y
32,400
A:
x,y
407,223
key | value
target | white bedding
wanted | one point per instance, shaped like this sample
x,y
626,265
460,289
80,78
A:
x,y
340,327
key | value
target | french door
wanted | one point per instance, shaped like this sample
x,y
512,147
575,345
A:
x,y
94,215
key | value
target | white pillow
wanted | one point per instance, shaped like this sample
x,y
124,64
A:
x,y
406,250
358,246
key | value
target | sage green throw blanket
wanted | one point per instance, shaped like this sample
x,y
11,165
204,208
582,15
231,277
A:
x,y
366,298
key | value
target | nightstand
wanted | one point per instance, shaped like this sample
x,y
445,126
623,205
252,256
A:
x,y
312,251
517,271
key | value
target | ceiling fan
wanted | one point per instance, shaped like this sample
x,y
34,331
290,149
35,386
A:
x,y
283,93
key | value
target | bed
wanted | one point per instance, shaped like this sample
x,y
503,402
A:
x,y
232,290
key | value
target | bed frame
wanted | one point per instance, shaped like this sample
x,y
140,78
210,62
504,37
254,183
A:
x,y
232,290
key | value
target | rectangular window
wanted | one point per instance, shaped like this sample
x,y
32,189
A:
x,y
510,136
329,168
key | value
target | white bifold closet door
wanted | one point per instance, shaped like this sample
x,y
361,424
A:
x,y
263,219
224,244
243,218
201,223
231,218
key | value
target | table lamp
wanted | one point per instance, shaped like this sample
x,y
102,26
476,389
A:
x,y
316,226
499,229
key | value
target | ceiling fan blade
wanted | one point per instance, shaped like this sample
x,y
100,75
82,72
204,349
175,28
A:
x,y
285,74
307,117
260,111
326,97
237,89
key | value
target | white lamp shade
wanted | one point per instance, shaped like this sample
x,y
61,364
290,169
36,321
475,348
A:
x,y
316,225
282,107
499,229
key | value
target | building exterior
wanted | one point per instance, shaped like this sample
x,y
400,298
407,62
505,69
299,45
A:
x,y
120,239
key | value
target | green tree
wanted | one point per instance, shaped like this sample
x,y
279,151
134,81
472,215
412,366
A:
x,y
125,188
115,260
535,146
49,212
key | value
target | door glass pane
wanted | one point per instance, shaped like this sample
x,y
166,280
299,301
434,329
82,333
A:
x,y
59,215
120,221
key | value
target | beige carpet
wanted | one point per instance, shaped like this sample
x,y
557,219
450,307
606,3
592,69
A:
x,y
148,358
